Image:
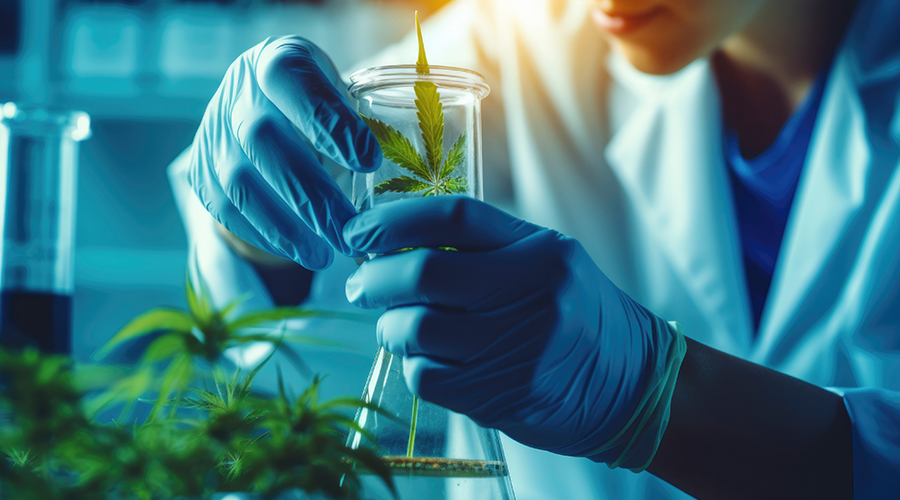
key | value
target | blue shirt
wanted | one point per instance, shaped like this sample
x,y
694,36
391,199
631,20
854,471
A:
x,y
764,189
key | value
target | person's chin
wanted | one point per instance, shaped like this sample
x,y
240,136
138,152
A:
x,y
654,61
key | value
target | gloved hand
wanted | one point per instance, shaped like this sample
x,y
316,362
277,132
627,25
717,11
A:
x,y
251,168
518,329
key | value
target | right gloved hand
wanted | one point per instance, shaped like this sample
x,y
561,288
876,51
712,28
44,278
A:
x,y
518,329
252,169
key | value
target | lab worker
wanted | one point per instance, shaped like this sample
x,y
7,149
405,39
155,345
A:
x,y
648,173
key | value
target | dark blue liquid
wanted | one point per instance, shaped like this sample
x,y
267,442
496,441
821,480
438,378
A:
x,y
36,319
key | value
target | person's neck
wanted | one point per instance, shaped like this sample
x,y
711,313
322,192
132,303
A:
x,y
766,70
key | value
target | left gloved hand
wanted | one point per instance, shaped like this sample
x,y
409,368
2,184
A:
x,y
518,329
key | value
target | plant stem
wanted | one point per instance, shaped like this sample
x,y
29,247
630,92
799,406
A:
x,y
412,427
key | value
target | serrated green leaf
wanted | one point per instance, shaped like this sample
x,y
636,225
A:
x,y
402,184
397,148
155,320
431,123
454,157
456,185
422,62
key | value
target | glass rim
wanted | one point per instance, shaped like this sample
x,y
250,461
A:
x,y
77,123
401,75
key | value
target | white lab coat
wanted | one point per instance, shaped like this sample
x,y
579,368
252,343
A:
x,y
632,166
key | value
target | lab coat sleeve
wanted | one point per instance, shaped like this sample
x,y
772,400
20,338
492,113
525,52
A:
x,y
875,414
211,261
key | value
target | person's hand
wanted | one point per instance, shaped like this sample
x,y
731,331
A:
x,y
252,169
518,328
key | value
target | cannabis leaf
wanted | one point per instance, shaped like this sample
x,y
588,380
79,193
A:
x,y
434,174
454,156
397,148
431,122
402,184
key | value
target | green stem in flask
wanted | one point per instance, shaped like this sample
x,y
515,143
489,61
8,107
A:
x,y
412,427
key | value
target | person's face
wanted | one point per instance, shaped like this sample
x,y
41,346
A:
x,y
663,36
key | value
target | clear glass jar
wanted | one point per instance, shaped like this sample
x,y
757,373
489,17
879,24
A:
x,y
387,94
38,172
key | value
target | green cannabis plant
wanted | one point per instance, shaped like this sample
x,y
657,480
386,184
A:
x,y
216,436
435,174
201,333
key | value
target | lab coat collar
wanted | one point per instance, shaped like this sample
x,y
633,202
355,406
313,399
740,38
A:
x,y
853,151
830,195
668,157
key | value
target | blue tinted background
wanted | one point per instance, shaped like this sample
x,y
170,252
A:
x,y
144,71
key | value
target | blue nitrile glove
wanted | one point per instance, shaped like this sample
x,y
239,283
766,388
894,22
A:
x,y
250,166
518,329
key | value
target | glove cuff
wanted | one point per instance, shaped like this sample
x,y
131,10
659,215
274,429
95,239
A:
x,y
640,438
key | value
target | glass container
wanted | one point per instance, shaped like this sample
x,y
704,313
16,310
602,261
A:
x,y
388,94
38,170
433,453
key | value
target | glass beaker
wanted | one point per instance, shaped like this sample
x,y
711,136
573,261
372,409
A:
x,y
386,96
38,170
433,453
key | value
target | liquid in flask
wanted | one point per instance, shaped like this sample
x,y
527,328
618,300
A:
x,y
433,453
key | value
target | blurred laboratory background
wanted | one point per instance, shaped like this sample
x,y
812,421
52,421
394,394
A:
x,y
144,70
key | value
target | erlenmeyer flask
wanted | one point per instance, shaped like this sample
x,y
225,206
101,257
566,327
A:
x,y
433,453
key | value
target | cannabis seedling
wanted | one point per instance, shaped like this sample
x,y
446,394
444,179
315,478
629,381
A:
x,y
203,332
435,174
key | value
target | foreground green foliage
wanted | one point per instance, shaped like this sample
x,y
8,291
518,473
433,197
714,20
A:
x,y
202,333
217,436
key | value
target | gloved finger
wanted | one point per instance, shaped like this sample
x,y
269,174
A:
x,y
441,221
204,181
290,73
432,380
466,280
272,218
452,337
297,178
458,388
